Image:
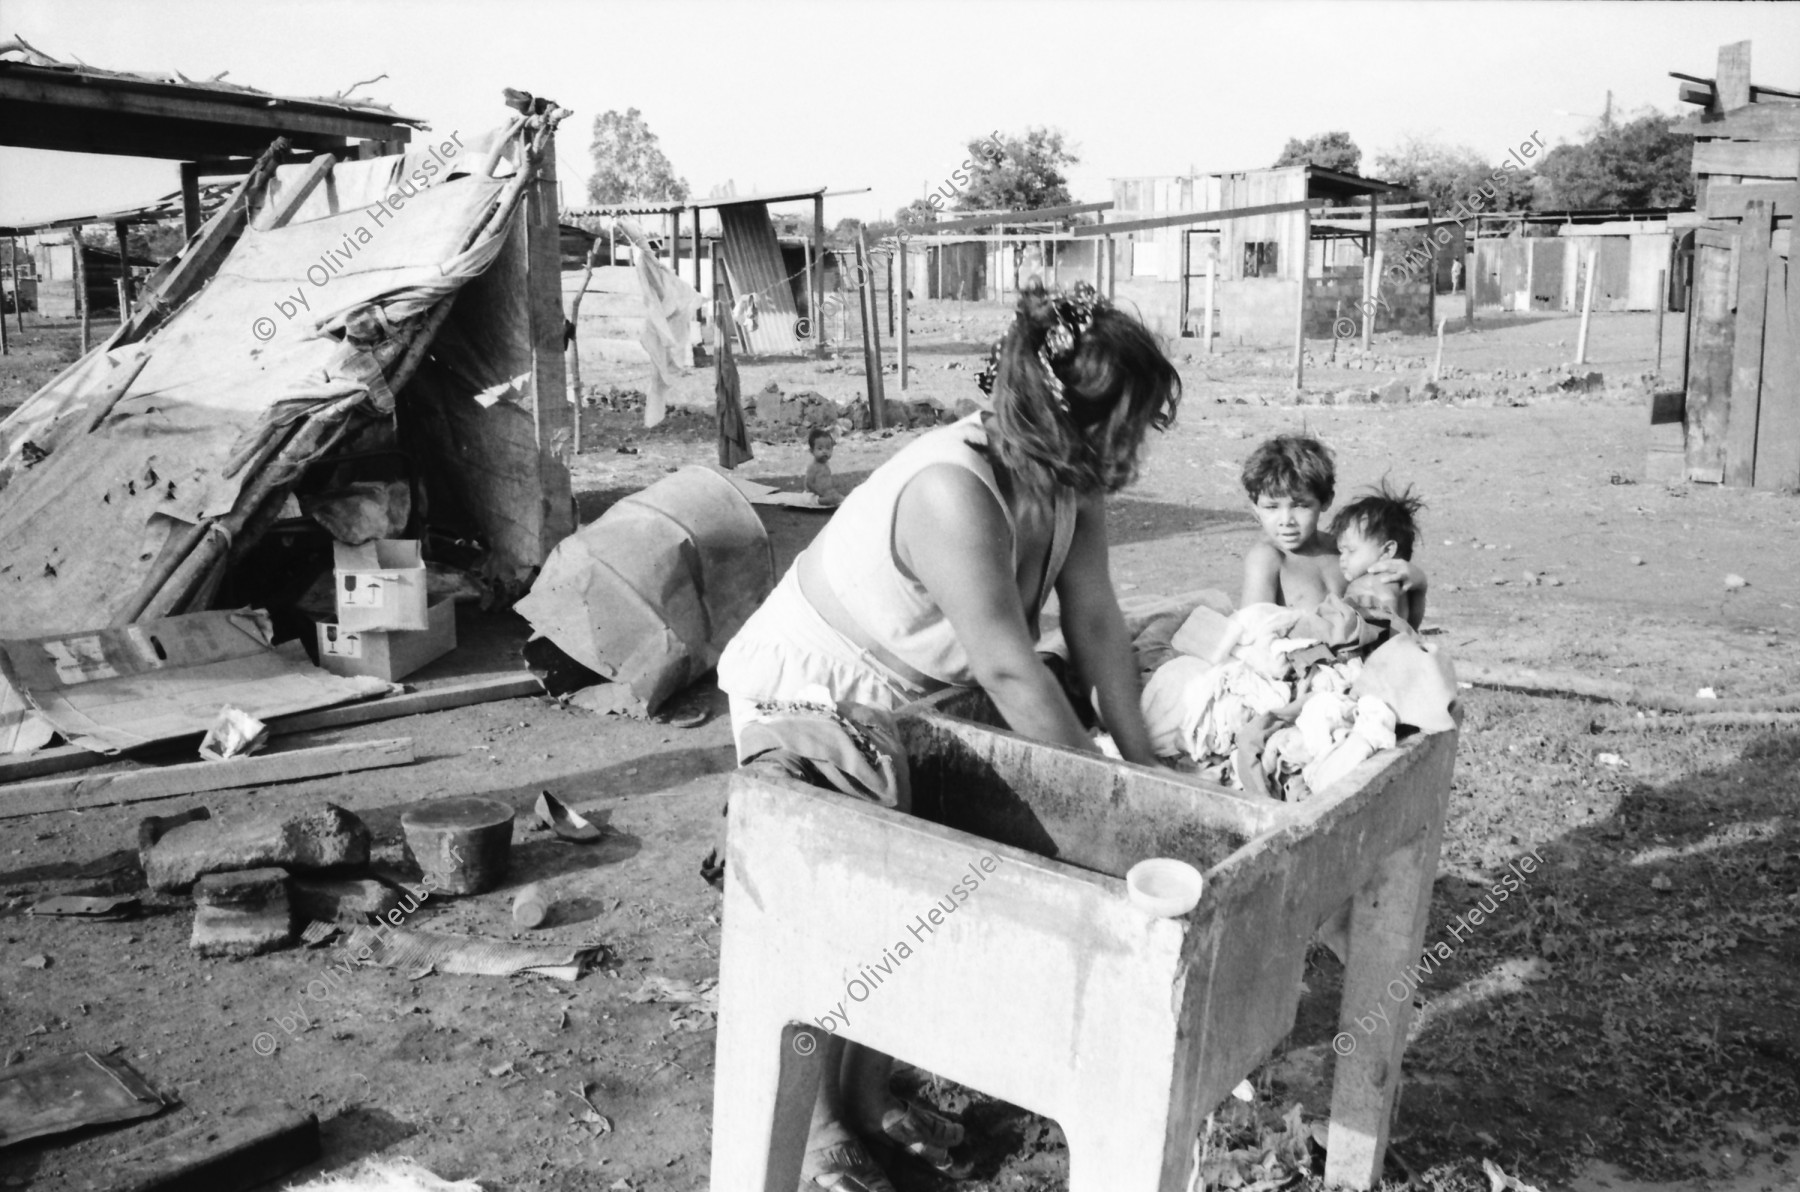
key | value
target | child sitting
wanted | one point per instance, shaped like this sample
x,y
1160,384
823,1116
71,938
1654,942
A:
x,y
1290,480
818,480
1375,529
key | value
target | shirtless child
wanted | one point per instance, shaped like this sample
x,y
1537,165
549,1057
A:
x,y
1291,480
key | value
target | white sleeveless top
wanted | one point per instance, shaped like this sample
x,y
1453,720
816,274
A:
x,y
788,645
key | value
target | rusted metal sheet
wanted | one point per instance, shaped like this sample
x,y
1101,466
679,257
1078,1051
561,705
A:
x,y
754,266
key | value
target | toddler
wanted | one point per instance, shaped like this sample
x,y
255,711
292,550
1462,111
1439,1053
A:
x,y
818,473
1371,531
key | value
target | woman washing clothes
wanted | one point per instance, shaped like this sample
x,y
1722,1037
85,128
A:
x,y
931,575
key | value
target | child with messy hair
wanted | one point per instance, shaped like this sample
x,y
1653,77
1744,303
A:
x,y
1291,480
1373,530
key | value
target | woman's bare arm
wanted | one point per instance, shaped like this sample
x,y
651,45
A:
x,y
1095,630
951,534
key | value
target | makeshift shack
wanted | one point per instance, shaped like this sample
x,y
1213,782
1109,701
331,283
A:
x,y
385,321
1739,410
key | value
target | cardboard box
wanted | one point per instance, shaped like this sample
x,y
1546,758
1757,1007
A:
x,y
388,653
381,585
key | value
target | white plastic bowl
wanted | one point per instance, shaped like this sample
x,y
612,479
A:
x,y
1164,887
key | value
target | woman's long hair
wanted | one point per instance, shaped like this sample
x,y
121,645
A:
x,y
1115,385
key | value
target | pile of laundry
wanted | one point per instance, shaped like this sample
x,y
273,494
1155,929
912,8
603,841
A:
x,y
1285,703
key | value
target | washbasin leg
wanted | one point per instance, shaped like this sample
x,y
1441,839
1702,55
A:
x,y
765,1084
1387,929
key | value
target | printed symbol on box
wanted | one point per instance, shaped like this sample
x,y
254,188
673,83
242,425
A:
x,y
79,660
364,591
339,644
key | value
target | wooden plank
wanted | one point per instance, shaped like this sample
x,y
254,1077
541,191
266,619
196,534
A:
x,y
221,1154
298,191
1778,420
1758,122
1192,217
1747,348
1733,87
266,112
1709,359
1748,159
552,413
1039,215
485,689
1727,200
132,786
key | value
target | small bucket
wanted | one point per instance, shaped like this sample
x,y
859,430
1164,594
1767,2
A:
x,y
461,845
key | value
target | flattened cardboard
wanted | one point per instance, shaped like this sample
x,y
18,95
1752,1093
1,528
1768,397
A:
x,y
388,654
381,585
119,688
66,1092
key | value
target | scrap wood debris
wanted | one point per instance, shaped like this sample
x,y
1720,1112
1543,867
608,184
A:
x,y
419,950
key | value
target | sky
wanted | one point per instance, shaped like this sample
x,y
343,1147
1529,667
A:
x,y
790,95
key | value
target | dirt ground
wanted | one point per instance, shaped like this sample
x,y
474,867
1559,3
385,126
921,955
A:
x,y
1632,1021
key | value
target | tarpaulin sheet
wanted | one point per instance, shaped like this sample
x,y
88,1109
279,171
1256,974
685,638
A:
x,y
81,529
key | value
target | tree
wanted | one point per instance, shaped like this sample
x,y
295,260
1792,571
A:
x,y
1327,150
915,215
1013,173
1449,175
629,165
1642,163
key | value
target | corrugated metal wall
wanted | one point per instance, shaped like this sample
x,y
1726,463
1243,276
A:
x,y
753,265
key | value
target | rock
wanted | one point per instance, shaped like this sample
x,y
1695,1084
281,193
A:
x,y
243,887
1395,392
314,838
1582,382
1734,581
1554,582
1531,579
241,913
153,828
339,900
1637,560
1426,390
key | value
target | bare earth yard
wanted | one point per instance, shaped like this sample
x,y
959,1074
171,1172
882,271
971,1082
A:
x,y
1631,1019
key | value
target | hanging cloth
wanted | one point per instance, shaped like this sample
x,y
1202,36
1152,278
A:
x,y
734,438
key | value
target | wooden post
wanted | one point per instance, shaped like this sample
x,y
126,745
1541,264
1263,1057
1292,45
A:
x,y
120,230
81,295
900,260
871,353
813,329
17,300
696,250
890,293
18,290
1469,273
1206,316
1181,319
1662,280
1101,218
1370,283
1587,307
1112,271
190,197
675,242
574,349
1437,370
818,281
1300,305
1746,392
